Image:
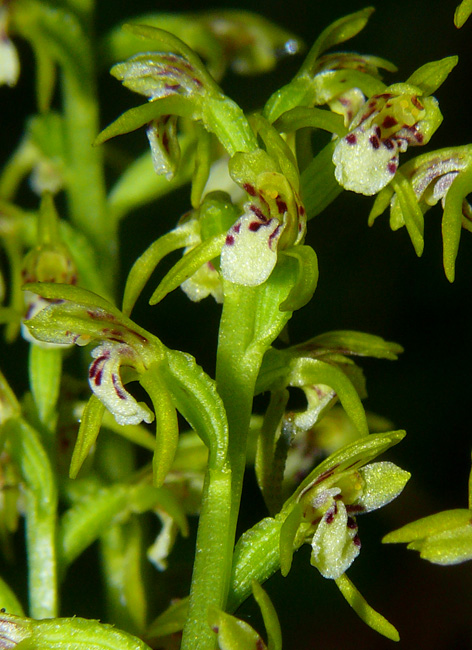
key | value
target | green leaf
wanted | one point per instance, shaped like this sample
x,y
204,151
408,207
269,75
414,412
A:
x,y
432,75
372,618
187,266
90,423
269,616
306,280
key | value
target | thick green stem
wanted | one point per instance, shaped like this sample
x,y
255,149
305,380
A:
x,y
236,376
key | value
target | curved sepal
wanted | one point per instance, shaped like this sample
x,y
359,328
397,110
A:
x,y
90,423
307,277
433,74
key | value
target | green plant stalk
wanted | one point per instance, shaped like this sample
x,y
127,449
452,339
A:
x,y
85,173
236,373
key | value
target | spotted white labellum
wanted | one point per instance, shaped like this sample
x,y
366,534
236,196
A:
x,y
105,381
250,251
367,158
335,544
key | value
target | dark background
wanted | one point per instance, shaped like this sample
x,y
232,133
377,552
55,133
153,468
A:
x,y
370,280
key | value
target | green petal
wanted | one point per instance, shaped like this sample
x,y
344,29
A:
x,y
411,211
354,343
452,220
288,533
372,618
384,481
462,12
449,547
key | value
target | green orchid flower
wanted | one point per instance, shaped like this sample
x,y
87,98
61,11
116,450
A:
x,y
402,115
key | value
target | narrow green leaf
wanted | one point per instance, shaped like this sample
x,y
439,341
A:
x,y
271,620
172,620
306,280
187,266
358,603
433,74
89,429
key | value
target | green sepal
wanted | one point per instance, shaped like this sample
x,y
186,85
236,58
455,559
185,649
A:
x,y
462,12
354,343
298,91
171,620
278,150
45,366
340,31
90,423
223,117
144,266
187,266
288,533
196,398
301,117
452,220
232,633
9,601
319,186
307,277
353,456
137,117
433,74
167,426
411,211
269,616
358,603
64,634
